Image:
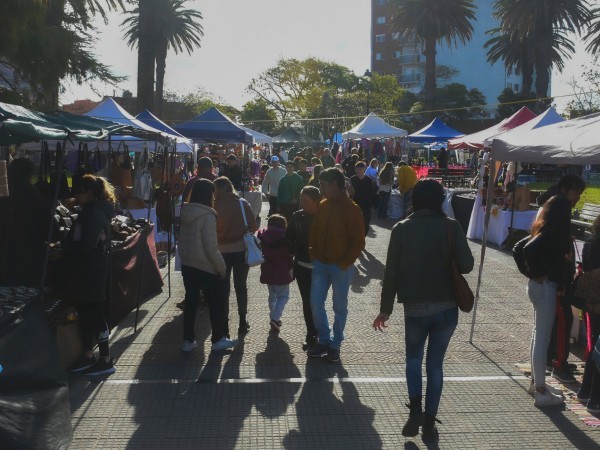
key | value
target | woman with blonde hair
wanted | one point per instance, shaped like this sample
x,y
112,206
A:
x,y
86,251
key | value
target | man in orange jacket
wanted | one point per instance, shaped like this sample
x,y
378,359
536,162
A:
x,y
337,237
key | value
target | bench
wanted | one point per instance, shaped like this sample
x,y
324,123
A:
x,y
582,221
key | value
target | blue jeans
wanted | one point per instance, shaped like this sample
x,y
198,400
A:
x,y
384,199
279,294
439,328
543,297
324,276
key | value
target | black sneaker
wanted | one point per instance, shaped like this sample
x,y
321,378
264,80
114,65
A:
x,y
100,368
563,375
318,350
309,343
83,363
333,354
275,326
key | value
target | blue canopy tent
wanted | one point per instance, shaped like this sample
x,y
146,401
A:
x,y
184,145
214,126
436,131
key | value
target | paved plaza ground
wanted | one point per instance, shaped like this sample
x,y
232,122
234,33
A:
x,y
267,394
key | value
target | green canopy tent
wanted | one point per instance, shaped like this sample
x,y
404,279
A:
x,y
19,125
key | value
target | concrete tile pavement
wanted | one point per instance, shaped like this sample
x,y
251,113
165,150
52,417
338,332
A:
x,y
267,394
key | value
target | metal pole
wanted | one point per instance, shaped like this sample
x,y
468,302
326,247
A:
x,y
488,202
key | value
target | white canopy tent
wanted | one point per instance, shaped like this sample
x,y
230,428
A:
x,y
373,126
546,118
258,137
569,142
110,110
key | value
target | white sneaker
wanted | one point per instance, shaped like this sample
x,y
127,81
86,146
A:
x,y
547,399
554,390
188,346
223,344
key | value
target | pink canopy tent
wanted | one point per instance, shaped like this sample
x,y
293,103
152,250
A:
x,y
477,140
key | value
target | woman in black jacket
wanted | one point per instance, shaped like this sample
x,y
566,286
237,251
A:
x,y
86,249
549,255
589,392
296,236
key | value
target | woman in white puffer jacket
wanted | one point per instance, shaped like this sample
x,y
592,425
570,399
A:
x,y
202,267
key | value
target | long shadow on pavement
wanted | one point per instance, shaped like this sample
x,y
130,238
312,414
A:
x,y
331,418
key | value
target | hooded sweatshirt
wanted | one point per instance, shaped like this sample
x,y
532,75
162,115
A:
x,y
198,245
277,268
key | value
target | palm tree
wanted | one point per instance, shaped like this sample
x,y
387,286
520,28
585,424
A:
x,y
593,35
515,53
544,23
434,21
172,26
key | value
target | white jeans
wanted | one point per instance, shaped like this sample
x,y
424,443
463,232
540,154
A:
x,y
279,295
543,297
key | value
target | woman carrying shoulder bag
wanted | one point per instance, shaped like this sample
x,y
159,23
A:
x,y
202,267
230,233
549,256
419,252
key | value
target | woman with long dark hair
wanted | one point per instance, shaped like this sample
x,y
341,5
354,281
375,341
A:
x,y
549,256
418,272
86,251
202,267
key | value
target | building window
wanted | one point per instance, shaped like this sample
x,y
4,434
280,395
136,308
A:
x,y
516,87
380,38
381,2
397,54
396,35
378,57
381,20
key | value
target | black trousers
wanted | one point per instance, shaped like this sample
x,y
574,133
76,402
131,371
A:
x,y
272,205
303,276
214,293
287,209
236,263
366,211
92,325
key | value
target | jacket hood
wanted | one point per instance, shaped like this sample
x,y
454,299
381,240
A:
x,y
103,205
271,235
190,212
226,197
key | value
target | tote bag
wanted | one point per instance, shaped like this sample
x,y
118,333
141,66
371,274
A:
x,y
254,256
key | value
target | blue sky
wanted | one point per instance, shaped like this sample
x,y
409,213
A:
x,y
242,38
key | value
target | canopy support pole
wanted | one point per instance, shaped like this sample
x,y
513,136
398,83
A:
x,y
488,202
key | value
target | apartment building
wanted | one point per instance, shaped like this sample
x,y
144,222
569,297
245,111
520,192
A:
x,y
393,54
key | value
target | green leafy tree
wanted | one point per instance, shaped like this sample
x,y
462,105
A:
x,y
586,91
200,100
593,34
175,27
545,24
46,42
257,115
434,21
511,101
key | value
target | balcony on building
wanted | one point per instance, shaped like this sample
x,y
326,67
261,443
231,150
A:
x,y
409,78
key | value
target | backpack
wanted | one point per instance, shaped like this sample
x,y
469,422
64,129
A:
x,y
519,256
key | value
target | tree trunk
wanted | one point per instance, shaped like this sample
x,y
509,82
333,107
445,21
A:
x,y
51,85
146,58
161,64
430,83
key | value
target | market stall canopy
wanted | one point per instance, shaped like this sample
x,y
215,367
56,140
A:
x,y
436,131
144,134
290,136
258,137
569,142
214,126
20,125
548,117
373,126
477,140
184,145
